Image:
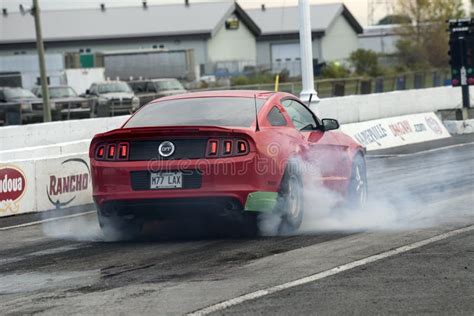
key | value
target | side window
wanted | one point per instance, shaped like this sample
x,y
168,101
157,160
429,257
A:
x,y
301,117
276,118
2,97
150,87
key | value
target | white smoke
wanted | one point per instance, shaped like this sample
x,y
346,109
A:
x,y
78,228
390,206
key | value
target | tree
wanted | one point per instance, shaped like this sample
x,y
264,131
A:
x,y
424,42
335,70
394,19
365,62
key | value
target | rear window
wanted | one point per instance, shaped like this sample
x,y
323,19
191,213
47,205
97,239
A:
x,y
225,111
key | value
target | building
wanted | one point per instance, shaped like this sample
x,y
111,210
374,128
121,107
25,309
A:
x,y
334,32
380,38
220,34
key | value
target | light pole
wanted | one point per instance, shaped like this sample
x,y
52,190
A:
x,y
35,10
306,49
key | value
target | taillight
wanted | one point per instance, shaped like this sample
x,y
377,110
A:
x,y
241,147
112,151
100,152
227,147
123,151
212,148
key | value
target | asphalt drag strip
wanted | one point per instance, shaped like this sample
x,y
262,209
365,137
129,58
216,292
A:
x,y
68,269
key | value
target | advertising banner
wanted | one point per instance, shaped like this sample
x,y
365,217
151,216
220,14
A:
x,y
63,182
17,188
397,131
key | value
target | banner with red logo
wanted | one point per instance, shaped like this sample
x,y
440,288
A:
x,y
397,131
63,182
17,189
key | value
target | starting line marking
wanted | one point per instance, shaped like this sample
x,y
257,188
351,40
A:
x,y
46,220
324,274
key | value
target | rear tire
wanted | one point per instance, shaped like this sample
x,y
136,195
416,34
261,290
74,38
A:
x,y
115,227
250,225
358,187
290,204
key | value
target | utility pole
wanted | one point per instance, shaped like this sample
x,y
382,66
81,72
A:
x,y
40,46
306,48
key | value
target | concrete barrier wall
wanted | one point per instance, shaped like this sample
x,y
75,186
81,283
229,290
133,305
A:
x,y
397,131
44,184
16,137
361,108
350,109
46,151
61,138
460,127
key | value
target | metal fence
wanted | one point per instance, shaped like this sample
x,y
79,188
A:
x,y
358,85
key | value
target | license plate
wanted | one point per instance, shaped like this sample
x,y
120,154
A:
x,y
166,180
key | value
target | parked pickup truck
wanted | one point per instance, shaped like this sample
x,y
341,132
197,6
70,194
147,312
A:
x,y
110,98
148,90
67,103
31,106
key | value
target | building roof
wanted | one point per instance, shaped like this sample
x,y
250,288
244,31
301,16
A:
x,y
380,30
277,21
123,22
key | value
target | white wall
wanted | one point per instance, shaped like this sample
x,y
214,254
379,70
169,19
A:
x,y
264,49
385,44
15,137
227,45
348,109
339,41
199,46
360,108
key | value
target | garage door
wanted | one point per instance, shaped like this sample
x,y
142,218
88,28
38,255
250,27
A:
x,y
286,56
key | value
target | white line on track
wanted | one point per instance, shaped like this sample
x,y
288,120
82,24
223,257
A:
x,y
419,152
324,274
46,220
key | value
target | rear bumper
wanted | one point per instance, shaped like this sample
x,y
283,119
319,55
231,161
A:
x,y
237,179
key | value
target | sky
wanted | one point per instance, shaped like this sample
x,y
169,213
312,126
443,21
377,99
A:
x,y
359,8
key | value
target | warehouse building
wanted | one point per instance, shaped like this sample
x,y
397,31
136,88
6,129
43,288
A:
x,y
219,33
380,38
334,33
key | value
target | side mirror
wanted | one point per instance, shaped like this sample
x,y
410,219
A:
x,y
88,92
330,124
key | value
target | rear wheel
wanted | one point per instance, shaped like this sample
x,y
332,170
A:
x,y
119,227
358,187
290,201
250,225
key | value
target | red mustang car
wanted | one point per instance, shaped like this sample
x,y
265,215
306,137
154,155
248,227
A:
x,y
221,152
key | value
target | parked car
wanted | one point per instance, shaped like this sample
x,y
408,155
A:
x,y
31,106
148,90
110,98
67,103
